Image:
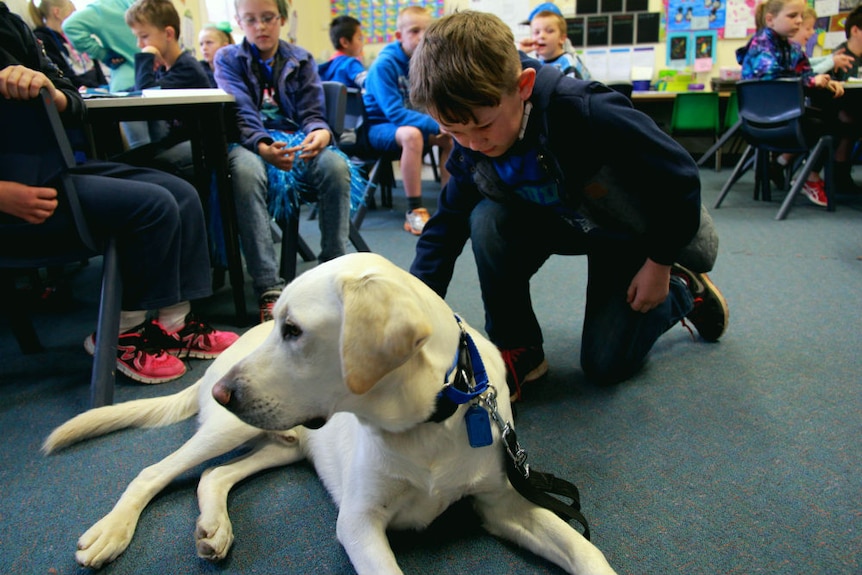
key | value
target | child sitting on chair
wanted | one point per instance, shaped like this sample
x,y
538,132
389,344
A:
x,y
284,152
345,66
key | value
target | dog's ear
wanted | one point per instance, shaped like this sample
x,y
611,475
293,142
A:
x,y
383,327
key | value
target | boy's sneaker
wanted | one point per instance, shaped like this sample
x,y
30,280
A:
x,y
523,364
266,301
710,313
141,355
414,221
815,192
197,339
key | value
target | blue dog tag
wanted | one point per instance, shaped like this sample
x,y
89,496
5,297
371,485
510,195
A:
x,y
478,426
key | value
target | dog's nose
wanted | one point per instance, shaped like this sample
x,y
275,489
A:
x,y
222,393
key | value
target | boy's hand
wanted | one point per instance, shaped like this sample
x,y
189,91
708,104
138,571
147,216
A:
x,y
277,154
158,60
22,83
649,287
31,204
313,144
526,44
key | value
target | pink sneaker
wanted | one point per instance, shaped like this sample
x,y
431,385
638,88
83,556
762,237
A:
x,y
197,339
141,355
815,192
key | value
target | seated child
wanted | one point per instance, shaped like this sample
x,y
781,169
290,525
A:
x,y
77,66
770,54
393,124
162,63
212,37
157,219
548,40
284,152
345,65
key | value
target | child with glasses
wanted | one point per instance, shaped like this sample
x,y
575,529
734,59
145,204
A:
x,y
284,148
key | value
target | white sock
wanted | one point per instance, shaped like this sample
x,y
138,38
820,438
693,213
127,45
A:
x,y
130,319
781,159
173,317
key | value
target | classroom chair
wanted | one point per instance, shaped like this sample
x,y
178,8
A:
x,y
697,113
292,244
771,114
34,150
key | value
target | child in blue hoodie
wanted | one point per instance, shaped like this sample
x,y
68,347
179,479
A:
x,y
392,124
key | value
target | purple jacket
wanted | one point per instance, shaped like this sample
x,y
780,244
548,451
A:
x,y
300,94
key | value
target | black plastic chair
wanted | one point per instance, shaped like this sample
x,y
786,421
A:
x,y
35,150
772,119
292,244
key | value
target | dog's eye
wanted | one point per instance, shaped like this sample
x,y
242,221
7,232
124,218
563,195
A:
x,y
290,330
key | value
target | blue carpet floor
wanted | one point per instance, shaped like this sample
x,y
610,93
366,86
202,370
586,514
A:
x,y
740,457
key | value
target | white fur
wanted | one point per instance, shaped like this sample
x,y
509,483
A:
x,y
364,345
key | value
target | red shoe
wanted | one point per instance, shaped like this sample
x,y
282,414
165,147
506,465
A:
x,y
523,364
815,192
197,339
141,355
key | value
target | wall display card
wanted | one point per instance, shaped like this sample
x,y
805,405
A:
x,y
622,29
619,65
611,6
637,5
597,62
703,44
683,15
647,27
598,31
587,7
739,19
678,50
575,30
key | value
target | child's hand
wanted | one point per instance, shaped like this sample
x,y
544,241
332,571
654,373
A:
x,y
313,144
527,44
649,287
842,61
22,83
158,61
278,154
836,88
31,204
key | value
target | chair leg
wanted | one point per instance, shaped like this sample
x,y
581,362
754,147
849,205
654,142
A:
x,y
289,246
719,144
370,189
741,166
357,240
824,145
107,330
305,252
19,320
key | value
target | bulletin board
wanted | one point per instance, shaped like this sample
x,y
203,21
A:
x,y
379,18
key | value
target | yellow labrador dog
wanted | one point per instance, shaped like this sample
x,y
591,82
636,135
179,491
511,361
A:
x,y
360,350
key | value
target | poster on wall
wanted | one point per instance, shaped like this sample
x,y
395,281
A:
x,y
678,49
685,15
379,18
703,44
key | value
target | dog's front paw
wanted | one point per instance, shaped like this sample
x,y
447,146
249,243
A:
x,y
104,541
213,538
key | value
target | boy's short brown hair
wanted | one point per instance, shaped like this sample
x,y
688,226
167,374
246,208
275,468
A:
x,y
158,13
466,60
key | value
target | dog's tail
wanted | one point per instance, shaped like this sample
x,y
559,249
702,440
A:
x,y
152,412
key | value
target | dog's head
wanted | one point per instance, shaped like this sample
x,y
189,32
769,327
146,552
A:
x,y
354,334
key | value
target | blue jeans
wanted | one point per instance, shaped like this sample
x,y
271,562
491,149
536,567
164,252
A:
x,y
510,244
328,173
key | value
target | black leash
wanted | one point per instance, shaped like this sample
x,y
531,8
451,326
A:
x,y
535,486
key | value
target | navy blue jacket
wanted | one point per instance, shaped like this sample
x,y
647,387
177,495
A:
x,y
581,131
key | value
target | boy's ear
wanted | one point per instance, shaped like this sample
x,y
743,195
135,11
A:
x,y
526,83
171,32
